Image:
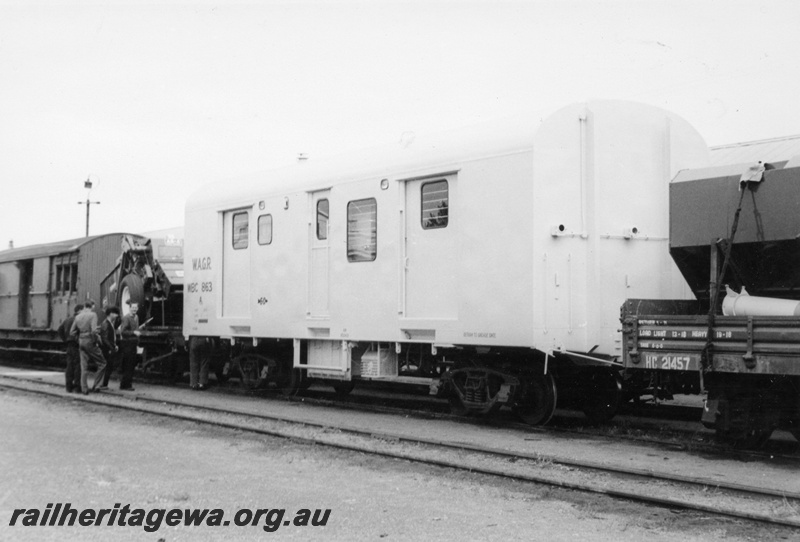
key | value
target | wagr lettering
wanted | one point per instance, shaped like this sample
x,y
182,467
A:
x,y
201,264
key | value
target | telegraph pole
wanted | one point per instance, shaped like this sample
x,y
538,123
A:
x,y
88,186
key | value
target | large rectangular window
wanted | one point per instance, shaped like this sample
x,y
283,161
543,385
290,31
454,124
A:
x,y
66,278
323,212
362,230
241,224
265,229
435,205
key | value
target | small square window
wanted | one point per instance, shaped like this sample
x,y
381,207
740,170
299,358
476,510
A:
x,y
265,229
435,205
240,230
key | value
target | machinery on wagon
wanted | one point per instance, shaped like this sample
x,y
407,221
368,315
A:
x,y
486,265
149,272
732,228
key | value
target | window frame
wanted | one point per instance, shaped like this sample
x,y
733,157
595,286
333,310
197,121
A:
x,y
59,286
373,234
258,226
73,278
326,215
241,238
424,220
163,252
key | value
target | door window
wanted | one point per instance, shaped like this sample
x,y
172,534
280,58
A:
x,y
265,229
323,213
240,230
435,205
362,230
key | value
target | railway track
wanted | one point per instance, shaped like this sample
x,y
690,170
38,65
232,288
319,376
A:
x,y
667,426
733,500
670,426
665,432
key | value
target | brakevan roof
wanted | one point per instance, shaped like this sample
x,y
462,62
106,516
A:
x,y
49,249
776,149
413,157
430,150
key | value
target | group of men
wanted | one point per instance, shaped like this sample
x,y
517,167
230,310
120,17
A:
x,y
102,344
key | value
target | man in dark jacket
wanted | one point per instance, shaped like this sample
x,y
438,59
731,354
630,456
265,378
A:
x,y
129,340
73,371
108,343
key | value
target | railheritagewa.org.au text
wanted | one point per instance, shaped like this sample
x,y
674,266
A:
x,y
151,520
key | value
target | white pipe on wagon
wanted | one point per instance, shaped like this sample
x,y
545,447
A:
x,y
744,304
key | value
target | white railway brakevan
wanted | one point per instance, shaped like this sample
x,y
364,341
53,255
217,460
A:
x,y
489,263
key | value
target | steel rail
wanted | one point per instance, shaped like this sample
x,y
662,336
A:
x,y
643,473
585,487
645,422
363,404
511,455
641,422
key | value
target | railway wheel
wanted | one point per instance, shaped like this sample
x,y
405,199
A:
x,y
221,375
536,401
457,408
253,370
794,427
131,290
343,387
602,396
747,439
749,421
292,381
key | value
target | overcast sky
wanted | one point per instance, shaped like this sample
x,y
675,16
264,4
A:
x,y
152,100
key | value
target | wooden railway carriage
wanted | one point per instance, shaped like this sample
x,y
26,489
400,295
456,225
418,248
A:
x,y
41,284
481,262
